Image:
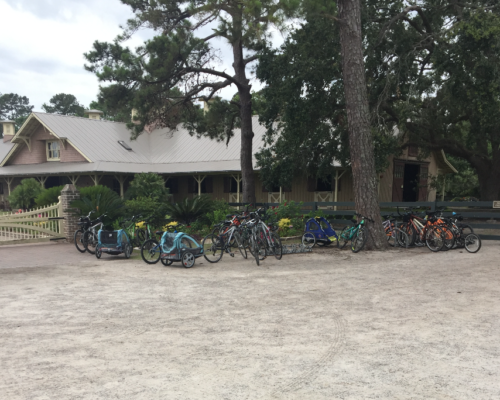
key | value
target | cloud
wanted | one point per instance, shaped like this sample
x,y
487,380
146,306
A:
x,y
43,42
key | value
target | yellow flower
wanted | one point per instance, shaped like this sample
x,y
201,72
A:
x,y
140,224
170,225
284,223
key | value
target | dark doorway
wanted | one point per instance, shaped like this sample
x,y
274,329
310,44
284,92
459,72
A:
x,y
410,184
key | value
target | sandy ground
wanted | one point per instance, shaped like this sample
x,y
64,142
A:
x,y
329,325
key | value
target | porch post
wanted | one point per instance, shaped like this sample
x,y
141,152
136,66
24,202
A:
x,y
281,192
238,179
68,194
42,180
121,180
199,179
337,177
96,178
74,179
9,182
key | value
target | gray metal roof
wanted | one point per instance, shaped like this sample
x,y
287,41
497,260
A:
x,y
161,151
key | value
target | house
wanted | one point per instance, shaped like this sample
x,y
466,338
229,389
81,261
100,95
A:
x,y
58,149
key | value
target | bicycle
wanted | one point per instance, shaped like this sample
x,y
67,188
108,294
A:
x,y
395,236
215,245
356,234
85,224
90,238
137,235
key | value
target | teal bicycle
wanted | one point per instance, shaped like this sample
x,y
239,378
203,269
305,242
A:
x,y
356,234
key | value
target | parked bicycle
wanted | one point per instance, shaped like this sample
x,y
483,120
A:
x,y
85,223
90,237
356,234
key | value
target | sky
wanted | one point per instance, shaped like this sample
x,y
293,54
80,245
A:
x,y
42,44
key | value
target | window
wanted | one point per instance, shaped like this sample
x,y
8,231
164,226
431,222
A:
x,y
323,185
53,151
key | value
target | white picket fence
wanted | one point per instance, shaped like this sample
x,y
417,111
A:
x,y
35,225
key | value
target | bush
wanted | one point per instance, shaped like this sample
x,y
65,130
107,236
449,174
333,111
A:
x,y
148,185
286,209
148,207
49,196
189,210
218,213
24,195
101,200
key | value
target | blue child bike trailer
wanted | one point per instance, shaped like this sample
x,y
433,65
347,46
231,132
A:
x,y
113,242
322,231
178,246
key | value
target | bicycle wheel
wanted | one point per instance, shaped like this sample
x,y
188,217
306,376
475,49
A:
x,y
90,241
150,251
434,239
127,251
166,262
308,240
78,237
410,232
449,238
465,229
402,238
212,248
141,236
277,247
359,241
344,237
472,243
261,245
255,249
240,244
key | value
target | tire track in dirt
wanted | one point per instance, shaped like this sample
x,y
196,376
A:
x,y
313,372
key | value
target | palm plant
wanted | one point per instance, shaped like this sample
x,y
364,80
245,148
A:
x,y
188,210
101,200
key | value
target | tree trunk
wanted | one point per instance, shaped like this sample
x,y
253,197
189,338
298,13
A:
x,y
358,117
489,180
246,152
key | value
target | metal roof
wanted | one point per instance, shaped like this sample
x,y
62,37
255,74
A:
x,y
161,151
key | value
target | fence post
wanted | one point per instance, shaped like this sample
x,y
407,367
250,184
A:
x,y
69,194
315,206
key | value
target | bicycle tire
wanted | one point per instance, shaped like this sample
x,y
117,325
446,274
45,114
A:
x,y
128,250
472,243
78,238
212,248
141,236
344,237
90,241
434,239
277,246
255,250
465,229
358,242
308,240
449,238
166,262
241,247
98,252
262,246
402,238
150,252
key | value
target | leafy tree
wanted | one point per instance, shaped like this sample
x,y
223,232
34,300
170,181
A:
x,y
148,185
65,104
15,108
48,197
110,114
24,195
150,79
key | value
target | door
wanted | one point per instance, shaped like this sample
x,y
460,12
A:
x,y
398,180
422,183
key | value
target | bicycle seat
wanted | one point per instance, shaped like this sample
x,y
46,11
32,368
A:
x,y
159,232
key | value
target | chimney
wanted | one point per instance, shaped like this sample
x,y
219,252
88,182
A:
x,y
94,114
8,130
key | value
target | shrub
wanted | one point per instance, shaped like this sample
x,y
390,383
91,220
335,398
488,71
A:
x,y
148,207
148,185
188,210
24,195
48,196
220,209
286,209
101,200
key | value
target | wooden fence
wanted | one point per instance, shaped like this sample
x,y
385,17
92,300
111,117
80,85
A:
x,y
489,211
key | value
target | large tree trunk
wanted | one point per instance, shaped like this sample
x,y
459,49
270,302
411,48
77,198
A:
x,y
358,117
488,174
246,152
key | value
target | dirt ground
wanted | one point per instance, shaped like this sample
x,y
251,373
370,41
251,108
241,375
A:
x,y
328,325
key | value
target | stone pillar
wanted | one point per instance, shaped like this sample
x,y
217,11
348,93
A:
x,y
68,194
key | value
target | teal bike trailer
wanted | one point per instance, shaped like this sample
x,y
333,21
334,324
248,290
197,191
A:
x,y
113,242
179,246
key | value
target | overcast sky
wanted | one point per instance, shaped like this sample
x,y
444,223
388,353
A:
x,y
42,44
